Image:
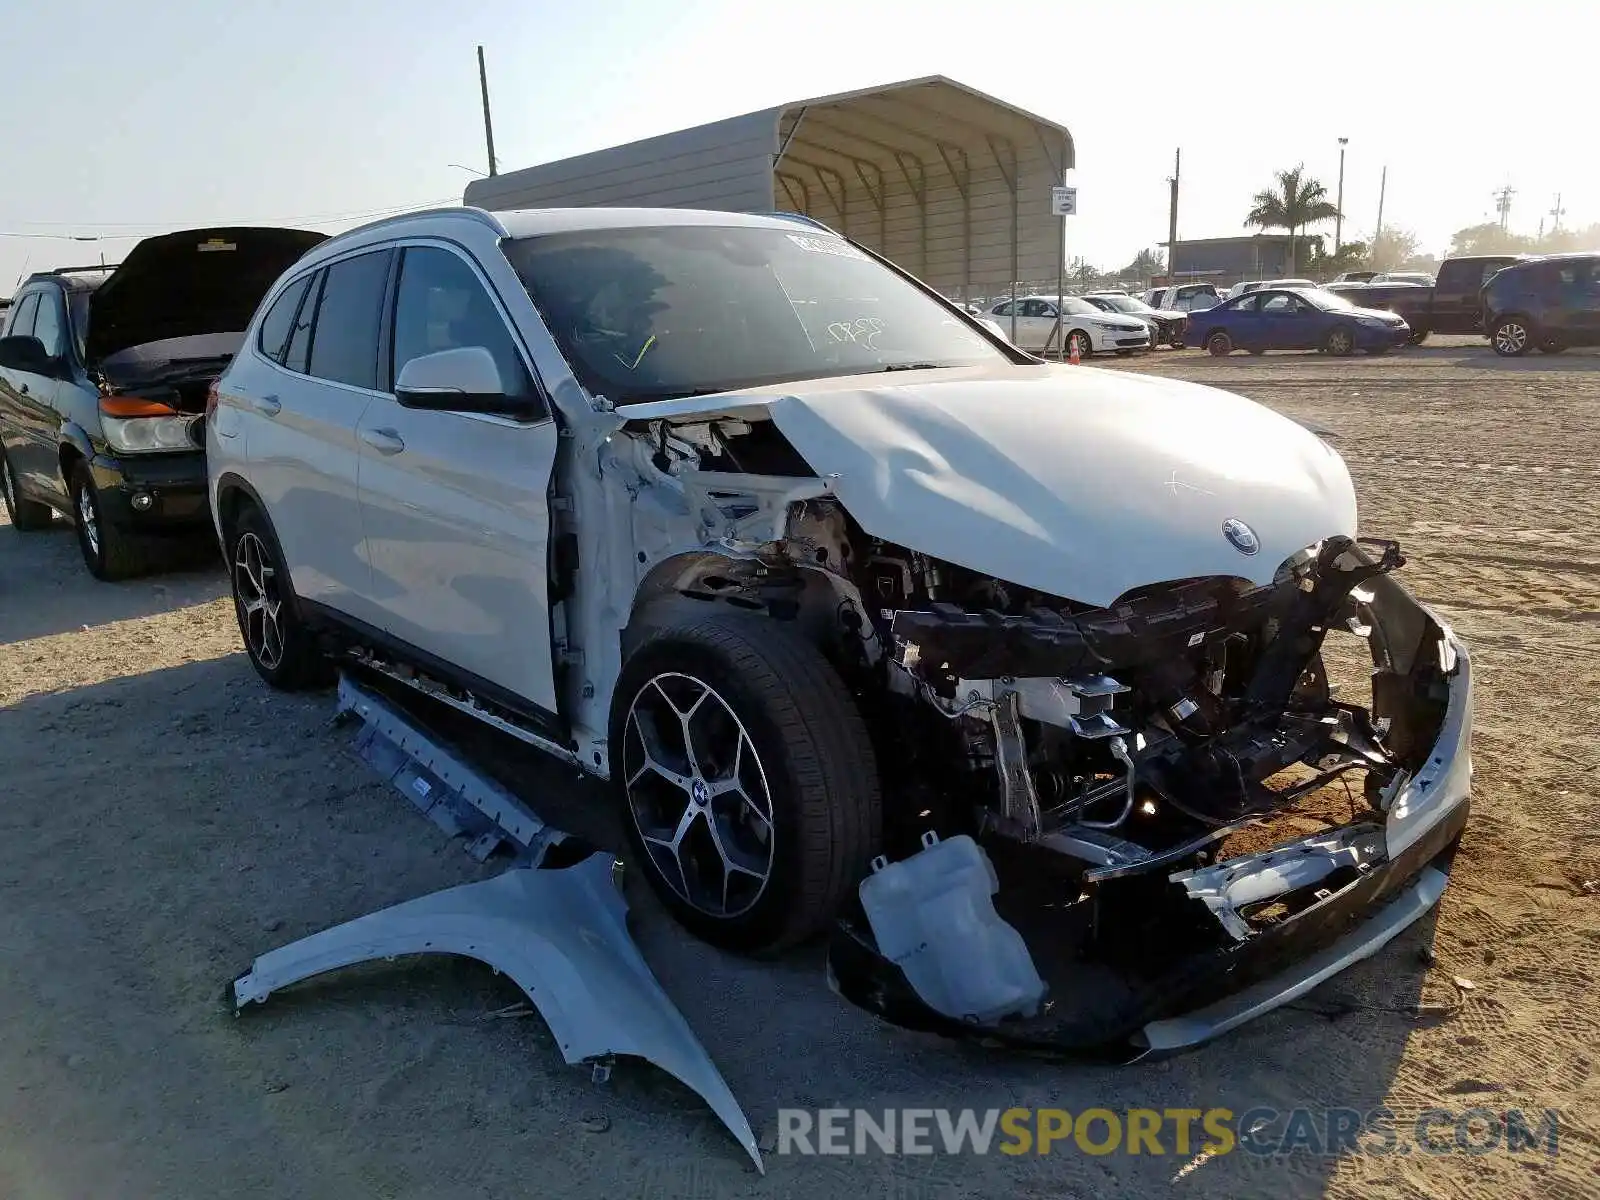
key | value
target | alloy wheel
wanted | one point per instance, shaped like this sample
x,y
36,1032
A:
x,y
87,520
698,795
1340,342
255,590
1510,337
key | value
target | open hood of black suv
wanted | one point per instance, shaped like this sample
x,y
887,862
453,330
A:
x,y
194,282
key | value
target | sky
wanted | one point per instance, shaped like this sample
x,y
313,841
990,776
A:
x,y
126,119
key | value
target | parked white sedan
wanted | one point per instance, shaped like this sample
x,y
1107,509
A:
x,y
1030,323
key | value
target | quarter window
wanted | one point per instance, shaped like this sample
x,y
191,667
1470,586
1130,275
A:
x,y
278,324
299,352
344,344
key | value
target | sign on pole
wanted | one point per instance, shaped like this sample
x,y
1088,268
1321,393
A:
x,y
1064,201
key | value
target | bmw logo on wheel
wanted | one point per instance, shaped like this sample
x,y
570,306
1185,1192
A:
x,y
1240,536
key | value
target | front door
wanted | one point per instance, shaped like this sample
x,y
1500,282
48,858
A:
x,y
1286,323
455,505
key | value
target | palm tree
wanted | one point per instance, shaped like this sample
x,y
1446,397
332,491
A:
x,y
1296,202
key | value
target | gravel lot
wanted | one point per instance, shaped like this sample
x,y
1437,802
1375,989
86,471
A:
x,y
165,818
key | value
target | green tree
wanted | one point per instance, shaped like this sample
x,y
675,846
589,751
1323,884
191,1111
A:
x,y
1145,264
1292,203
1394,249
1489,238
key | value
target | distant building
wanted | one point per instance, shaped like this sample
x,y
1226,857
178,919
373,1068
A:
x,y
1228,260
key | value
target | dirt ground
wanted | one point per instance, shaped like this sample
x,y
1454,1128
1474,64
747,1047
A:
x,y
164,818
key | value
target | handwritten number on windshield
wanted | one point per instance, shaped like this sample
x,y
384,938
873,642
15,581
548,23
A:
x,y
863,331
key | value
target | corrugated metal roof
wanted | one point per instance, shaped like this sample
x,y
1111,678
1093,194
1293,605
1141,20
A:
x,y
951,183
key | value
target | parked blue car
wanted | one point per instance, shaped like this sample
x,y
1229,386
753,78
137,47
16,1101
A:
x,y
1295,319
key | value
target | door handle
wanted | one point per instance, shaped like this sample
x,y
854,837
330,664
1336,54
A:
x,y
384,441
267,406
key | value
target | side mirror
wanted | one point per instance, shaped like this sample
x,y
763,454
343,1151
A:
x,y
26,353
465,379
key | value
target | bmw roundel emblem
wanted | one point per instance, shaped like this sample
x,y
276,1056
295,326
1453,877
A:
x,y
1240,536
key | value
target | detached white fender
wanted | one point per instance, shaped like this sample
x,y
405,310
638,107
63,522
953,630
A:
x,y
560,934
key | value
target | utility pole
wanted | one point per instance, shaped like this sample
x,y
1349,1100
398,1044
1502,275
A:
x,y
1172,218
488,125
1502,203
1556,214
1338,219
1383,185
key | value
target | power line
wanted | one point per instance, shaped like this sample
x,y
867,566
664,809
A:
x,y
309,218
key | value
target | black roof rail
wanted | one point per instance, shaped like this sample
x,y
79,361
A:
x,y
82,270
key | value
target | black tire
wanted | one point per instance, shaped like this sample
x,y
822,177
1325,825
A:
x,y
1551,346
282,647
109,551
1219,344
1085,344
1258,353
26,516
1340,342
1512,337
1418,336
823,814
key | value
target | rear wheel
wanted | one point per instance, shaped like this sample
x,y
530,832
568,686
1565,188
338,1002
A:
x,y
1551,346
1219,344
1511,337
747,781
281,646
1340,341
109,551
26,516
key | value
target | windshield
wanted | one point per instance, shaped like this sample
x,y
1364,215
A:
x,y
1326,301
659,311
1078,307
1125,304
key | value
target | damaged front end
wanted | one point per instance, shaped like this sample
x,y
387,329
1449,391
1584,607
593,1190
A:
x,y
1184,821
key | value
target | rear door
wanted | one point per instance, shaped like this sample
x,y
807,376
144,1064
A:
x,y
301,439
27,400
455,505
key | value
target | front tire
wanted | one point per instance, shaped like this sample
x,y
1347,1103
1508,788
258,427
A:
x,y
1341,341
1512,337
747,781
26,516
110,552
282,647
1219,345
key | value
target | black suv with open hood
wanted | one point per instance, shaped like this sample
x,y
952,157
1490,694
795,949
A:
x,y
104,375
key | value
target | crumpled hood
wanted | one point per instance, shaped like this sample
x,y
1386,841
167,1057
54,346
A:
x,y
1075,482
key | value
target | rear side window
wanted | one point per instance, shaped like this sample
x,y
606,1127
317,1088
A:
x,y
344,344
278,324
22,316
441,304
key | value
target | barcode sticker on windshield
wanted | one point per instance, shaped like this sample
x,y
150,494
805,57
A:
x,y
825,245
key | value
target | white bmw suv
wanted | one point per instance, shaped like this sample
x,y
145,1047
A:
x,y
808,562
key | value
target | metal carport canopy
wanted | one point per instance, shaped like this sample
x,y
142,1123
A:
x,y
951,183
